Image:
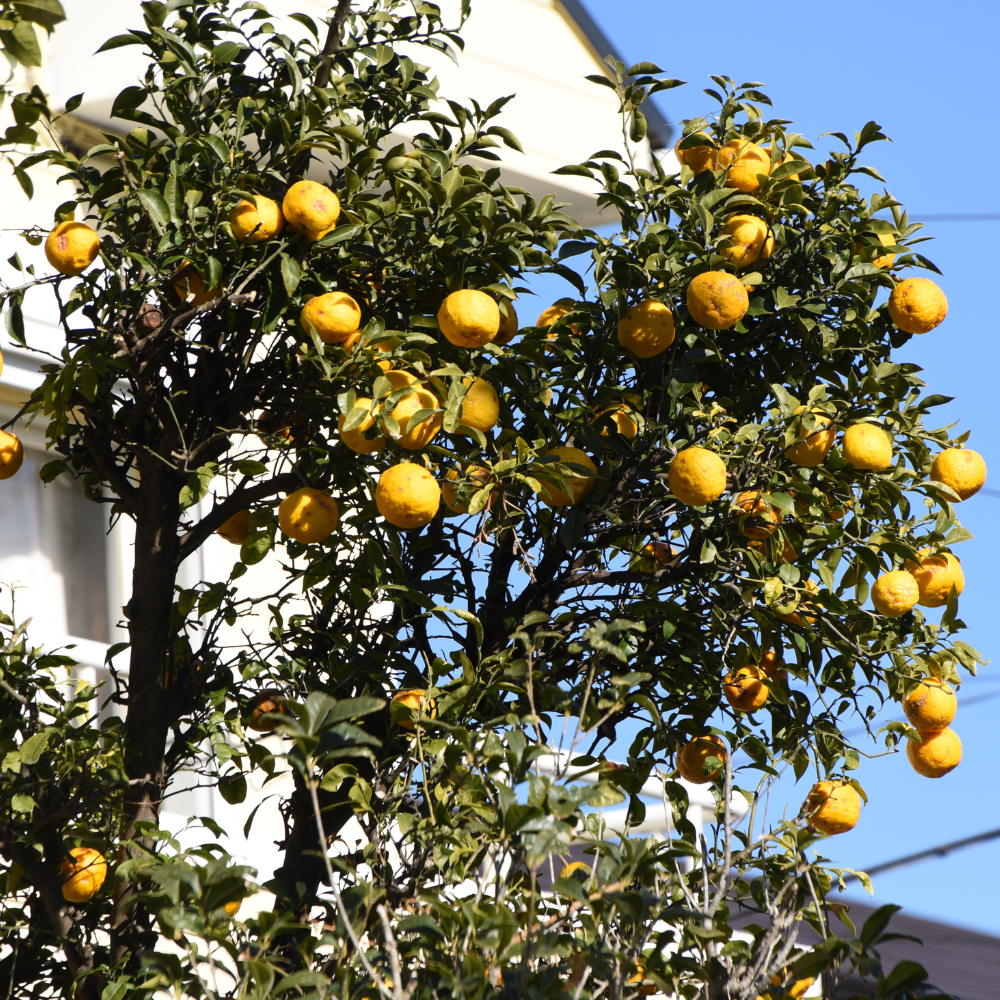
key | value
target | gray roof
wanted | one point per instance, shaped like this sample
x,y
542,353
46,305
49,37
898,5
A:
x,y
660,133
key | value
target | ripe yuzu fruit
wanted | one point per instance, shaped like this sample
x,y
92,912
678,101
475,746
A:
x,y
813,445
469,318
580,486
895,593
751,239
406,704
421,434
256,221
935,576
939,753
917,305
867,448
692,756
697,476
476,474
407,495
620,417
508,324
744,689
72,247
555,312
11,454
308,515
661,553
481,406
832,807
191,289
717,300
83,875
310,206
755,517
647,329
355,438
236,528
333,315
743,160
700,157
265,703
961,469
931,705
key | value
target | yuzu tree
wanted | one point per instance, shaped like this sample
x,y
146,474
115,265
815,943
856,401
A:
x,y
308,380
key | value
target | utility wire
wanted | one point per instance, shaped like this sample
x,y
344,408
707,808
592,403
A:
x,y
933,852
982,217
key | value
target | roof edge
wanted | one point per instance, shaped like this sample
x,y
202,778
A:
x,y
660,131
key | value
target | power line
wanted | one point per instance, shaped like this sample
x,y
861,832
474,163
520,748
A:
x,y
981,217
933,852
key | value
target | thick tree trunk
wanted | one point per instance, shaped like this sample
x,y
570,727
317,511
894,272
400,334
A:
x,y
147,723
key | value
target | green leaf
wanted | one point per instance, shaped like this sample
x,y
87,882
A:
x,y
22,43
255,546
197,485
156,207
47,13
291,273
233,788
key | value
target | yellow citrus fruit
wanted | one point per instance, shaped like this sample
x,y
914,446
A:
x,y
886,259
797,989
421,434
407,496
698,158
895,593
11,454
692,756
83,875
555,312
751,239
647,329
189,287
308,515
579,485
697,476
397,379
233,906
72,247
310,206
481,406
265,703
407,703
743,161
755,517
256,221
939,753
812,446
804,601
508,325
660,552
772,666
477,474
469,318
621,419
744,689
866,447
832,807
931,705
935,576
579,871
717,300
917,305
790,158
236,528
333,315
961,469
355,438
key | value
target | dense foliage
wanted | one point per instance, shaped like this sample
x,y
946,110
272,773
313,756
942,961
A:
x,y
536,634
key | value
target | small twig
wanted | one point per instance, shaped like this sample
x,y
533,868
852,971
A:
x,y
391,947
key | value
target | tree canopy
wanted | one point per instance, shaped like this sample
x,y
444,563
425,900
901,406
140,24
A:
x,y
452,689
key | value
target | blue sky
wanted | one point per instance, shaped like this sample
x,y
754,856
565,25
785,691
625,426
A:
x,y
926,73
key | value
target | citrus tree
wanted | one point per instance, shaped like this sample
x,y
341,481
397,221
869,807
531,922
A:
x,y
507,551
